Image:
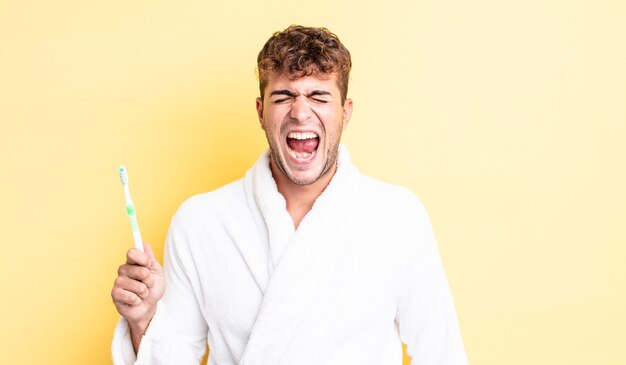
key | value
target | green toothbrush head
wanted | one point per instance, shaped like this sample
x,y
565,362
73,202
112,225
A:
x,y
123,175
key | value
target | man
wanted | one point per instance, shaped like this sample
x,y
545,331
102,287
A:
x,y
304,260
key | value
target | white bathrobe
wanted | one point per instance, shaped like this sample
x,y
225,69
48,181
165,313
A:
x,y
360,275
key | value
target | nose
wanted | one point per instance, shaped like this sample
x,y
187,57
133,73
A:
x,y
300,109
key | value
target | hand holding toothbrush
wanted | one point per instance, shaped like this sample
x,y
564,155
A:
x,y
139,285
140,282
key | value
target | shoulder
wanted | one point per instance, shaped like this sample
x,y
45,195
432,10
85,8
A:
x,y
394,199
211,205
397,221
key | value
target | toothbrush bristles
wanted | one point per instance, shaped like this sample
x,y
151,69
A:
x,y
123,175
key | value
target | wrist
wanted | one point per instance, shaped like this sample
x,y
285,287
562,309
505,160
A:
x,y
140,326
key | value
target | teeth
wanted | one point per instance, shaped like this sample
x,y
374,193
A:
x,y
302,135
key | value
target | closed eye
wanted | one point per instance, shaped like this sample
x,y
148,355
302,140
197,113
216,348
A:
x,y
321,96
282,95
279,101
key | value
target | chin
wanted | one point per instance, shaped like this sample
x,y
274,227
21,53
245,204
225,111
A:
x,y
303,179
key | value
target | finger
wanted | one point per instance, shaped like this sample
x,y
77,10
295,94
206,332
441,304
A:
x,y
149,281
121,296
134,272
136,257
133,286
153,261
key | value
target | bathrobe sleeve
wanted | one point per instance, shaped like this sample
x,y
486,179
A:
x,y
425,313
178,331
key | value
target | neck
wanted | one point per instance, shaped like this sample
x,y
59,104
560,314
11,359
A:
x,y
300,198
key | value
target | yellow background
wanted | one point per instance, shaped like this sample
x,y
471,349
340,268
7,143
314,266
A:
x,y
508,119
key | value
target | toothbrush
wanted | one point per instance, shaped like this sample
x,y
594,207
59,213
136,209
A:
x,y
130,209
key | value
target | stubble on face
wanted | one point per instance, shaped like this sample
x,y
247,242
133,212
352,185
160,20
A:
x,y
310,104
331,159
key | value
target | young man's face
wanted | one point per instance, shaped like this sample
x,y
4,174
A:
x,y
303,120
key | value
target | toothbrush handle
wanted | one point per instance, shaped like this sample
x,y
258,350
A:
x,y
138,241
134,227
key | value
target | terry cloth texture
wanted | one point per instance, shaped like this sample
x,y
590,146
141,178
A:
x,y
360,275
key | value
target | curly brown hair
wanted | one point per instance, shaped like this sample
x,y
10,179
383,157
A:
x,y
303,51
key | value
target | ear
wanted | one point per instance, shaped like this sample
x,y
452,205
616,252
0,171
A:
x,y
259,110
347,112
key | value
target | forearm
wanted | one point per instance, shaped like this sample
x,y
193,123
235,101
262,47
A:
x,y
156,342
137,330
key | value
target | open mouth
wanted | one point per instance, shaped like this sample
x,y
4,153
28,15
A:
x,y
302,146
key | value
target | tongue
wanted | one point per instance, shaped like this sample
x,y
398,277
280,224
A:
x,y
303,145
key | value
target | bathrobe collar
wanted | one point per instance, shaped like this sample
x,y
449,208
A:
x,y
298,259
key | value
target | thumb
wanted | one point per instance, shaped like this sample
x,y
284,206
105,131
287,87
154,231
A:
x,y
154,264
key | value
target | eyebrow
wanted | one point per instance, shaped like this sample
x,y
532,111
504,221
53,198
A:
x,y
318,92
283,92
293,94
